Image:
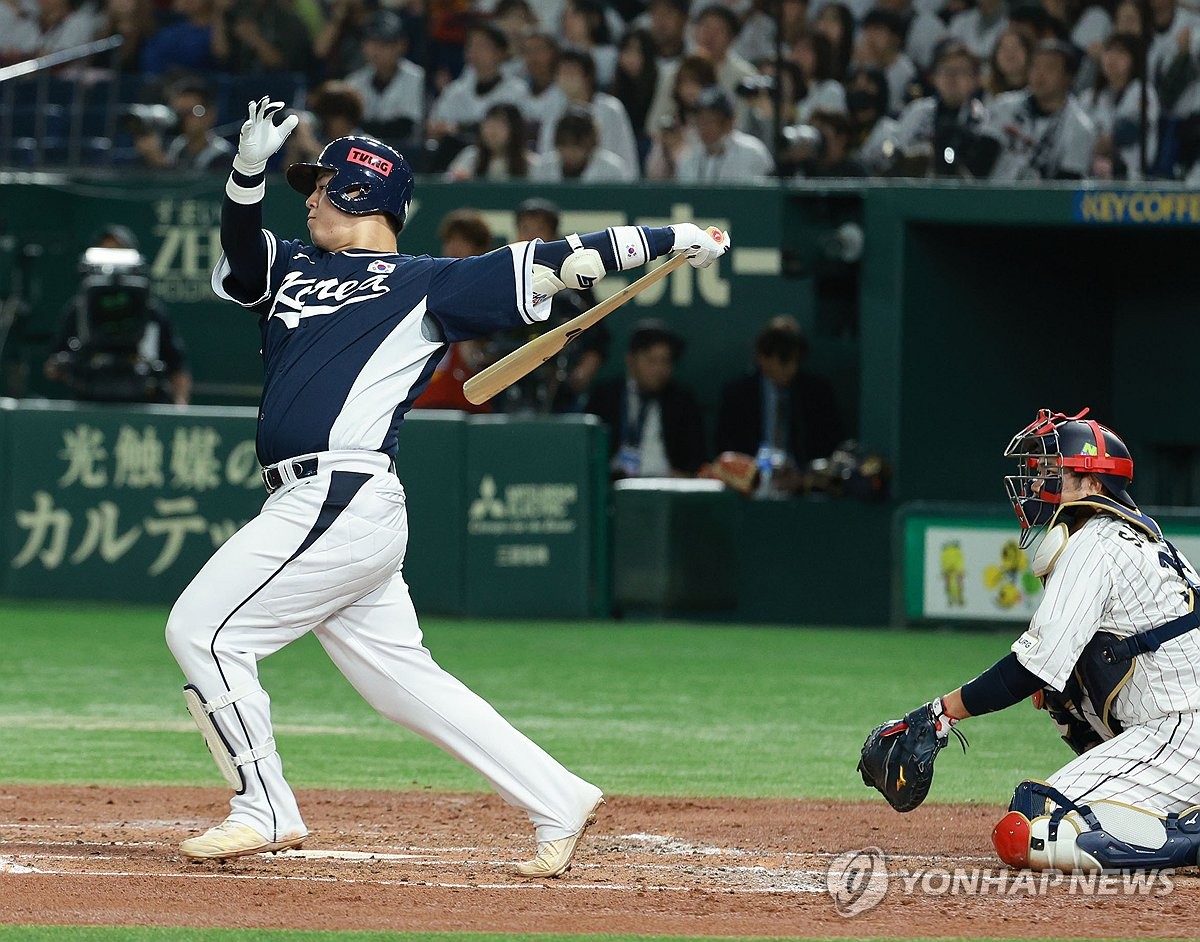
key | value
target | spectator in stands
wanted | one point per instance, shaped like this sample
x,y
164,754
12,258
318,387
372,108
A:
x,y
562,383
543,100
339,43
576,154
19,32
668,25
263,36
922,31
655,426
942,135
500,153
1008,67
197,146
457,111
823,148
585,29
392,88
780,406
871,129
820,88
133,21
979,27
1128,19
1088,25
1114,105
518,22
679,87
636,82
756,40
63,24
1171,63
836,22
1035,21
714,31
758,111
1043,133
335,109
463,233
718,151
880,46
576,80
191,41
115,342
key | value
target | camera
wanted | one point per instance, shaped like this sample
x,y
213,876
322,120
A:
x,y
805,139
104,360
138,120
755,84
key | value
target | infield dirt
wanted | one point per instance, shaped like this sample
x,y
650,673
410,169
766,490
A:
x,y
422,861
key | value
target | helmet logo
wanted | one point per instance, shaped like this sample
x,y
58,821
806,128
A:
x,y
1088,449
367,159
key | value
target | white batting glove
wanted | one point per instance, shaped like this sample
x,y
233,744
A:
x,y
261,137
701,246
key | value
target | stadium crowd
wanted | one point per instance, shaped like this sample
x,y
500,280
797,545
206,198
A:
x,y
701,91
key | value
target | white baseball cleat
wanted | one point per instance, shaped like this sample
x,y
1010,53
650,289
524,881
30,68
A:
x,y
230,839
554,857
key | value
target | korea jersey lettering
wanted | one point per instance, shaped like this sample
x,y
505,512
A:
x,y
350,339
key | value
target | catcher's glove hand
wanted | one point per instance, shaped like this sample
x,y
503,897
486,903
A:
x,y
897,758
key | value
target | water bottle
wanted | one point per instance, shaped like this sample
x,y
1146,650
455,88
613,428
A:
x,y
766,470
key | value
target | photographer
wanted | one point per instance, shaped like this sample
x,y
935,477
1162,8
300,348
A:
x,y
115,343
191,112
942,135
822,148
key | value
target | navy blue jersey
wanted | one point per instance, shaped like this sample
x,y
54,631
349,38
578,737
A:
x,y
350,339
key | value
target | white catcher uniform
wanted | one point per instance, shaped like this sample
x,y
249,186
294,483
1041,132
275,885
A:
x,y
1113,576
349,339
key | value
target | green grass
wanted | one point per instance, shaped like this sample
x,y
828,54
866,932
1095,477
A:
x,y
89,693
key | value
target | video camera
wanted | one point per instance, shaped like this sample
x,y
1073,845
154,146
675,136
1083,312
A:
x,y
107,358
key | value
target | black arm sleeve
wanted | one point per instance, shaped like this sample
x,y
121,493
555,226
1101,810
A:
x,y
653,242
1002,685
242,237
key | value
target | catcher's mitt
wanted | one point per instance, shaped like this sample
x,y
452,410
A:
x,y
897,758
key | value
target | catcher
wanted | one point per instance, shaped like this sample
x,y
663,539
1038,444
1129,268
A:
x,y
1111,655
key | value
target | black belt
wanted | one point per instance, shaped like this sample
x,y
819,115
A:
x,y
273,480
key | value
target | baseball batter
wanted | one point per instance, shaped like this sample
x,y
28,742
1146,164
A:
x,y
351,332
1111,653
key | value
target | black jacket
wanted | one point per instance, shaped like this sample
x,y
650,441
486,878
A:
x,y
683,426
815,426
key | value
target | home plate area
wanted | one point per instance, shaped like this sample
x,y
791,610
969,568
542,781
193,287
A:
x,y
424,861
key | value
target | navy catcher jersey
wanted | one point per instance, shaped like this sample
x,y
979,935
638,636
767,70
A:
x,y
350,339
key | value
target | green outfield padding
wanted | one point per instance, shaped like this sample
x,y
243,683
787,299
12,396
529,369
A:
x,y
641,709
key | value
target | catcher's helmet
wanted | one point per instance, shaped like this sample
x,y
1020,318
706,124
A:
x,y
368,177
1054,441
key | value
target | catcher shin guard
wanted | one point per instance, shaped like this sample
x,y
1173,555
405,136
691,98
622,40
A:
x,y
228,762
1105,835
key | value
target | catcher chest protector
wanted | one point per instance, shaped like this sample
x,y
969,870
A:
x,y
368,177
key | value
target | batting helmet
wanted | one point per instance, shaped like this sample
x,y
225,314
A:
x,y
1054,441
368,177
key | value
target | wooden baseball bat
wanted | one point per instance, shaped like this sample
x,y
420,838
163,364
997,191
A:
x,y
528,357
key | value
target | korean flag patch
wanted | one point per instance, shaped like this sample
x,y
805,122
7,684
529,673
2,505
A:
x,y
380,267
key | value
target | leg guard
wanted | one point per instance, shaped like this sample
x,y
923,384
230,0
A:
x,y
228,763
1045,830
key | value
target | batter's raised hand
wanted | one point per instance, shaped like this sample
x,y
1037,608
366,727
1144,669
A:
x,y
261,136
701,246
